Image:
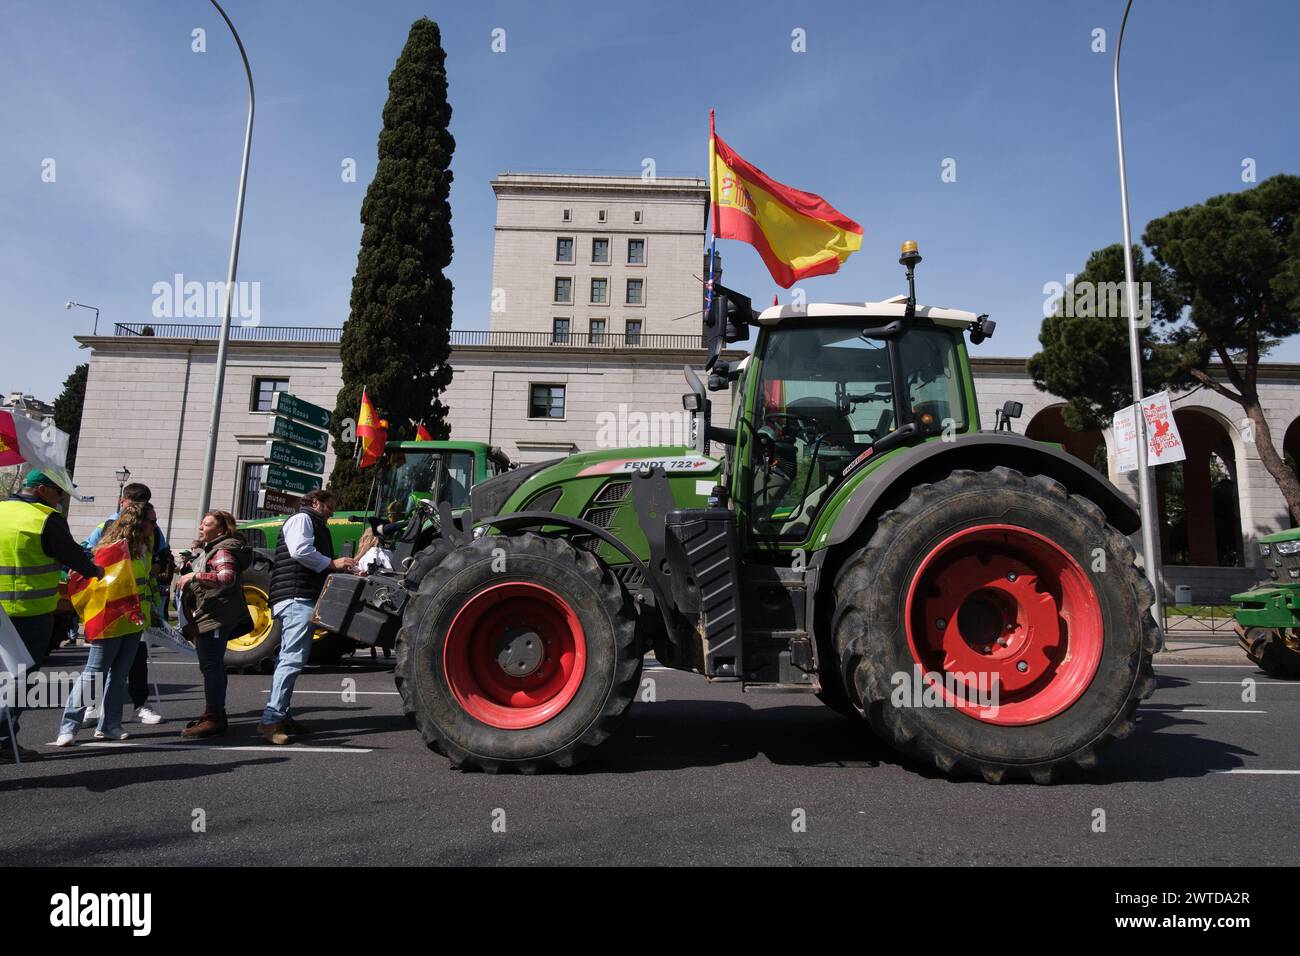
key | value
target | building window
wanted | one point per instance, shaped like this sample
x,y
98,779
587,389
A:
x,y
597,332
600,215
564,249
566,215
563,289
600,291
264,390
560,332
636,292
636,252
546,401
600,250
250,483
636,215
633,336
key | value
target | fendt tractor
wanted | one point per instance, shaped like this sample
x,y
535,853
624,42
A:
x,y
970,593
411,471
1268,615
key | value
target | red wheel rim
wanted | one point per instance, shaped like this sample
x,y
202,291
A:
x,y
515,655
1014,609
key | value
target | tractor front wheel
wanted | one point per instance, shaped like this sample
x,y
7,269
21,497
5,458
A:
x,y
518,652
1276,651
1015,638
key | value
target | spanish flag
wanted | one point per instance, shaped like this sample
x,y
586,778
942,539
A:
x,y
798,234
422,433
372,433
110,606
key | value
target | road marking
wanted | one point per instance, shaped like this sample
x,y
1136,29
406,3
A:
x,y
1247,666
1244,770
257,748
338,693
1262,683
1201,710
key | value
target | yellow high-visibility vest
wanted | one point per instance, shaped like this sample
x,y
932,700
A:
x,y
29,578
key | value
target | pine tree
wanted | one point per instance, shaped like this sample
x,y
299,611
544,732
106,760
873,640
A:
x,y
67,410
396,342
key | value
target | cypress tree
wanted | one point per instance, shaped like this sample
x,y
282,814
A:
x,y
396,341
67,410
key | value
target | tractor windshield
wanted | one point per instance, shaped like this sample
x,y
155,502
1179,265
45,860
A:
x,y
411,475
826,395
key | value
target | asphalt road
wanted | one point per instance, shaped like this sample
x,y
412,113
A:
x,y
701,775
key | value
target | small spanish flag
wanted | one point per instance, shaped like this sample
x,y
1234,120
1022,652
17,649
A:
x,y
798,234
422,433
110,606
372,433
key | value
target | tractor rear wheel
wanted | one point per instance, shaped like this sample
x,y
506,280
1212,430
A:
x,y
1270,649
518,652
1016,637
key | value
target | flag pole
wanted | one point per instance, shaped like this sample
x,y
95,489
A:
x,y
1146,496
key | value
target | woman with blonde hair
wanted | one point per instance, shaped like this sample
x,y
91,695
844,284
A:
x,y
212,597
113,656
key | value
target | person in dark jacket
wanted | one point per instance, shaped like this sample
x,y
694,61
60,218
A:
x,y
212,595
304,558
34,544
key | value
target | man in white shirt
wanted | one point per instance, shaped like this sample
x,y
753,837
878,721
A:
x,y
304,558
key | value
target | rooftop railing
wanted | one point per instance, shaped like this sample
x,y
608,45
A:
x,y
459,337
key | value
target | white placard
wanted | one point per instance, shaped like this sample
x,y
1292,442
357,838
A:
x,y
1164,443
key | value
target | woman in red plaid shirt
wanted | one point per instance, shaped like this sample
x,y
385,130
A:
x,y
212,595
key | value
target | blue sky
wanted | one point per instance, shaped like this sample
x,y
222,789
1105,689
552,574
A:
x,y
146,137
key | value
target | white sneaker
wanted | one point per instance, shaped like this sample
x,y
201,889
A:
x,y
120,735
92,715
65,740
147,715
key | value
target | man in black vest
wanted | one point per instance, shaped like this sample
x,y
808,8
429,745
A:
x,y
304,557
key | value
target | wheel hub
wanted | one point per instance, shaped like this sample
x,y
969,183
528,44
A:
x,y
520,651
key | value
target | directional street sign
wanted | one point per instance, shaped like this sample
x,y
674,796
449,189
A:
x,y
298,433
290,407
283,479
281,453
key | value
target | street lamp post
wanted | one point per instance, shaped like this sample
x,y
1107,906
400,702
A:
x,y
94,309
214,419
123,475
1146,495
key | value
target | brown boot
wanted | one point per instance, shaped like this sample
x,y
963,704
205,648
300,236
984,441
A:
x,y
209,725
277,733
295,728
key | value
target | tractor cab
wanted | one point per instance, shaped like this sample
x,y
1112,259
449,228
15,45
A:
x,y
829,389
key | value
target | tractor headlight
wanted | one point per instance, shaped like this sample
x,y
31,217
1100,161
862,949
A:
x,y
1288,547
1265,550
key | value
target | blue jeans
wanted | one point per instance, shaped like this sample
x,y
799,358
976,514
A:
x,y
112,657
212,664
294,616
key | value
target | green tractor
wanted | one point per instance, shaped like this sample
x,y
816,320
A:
x,y
1268,616
970,595
409,472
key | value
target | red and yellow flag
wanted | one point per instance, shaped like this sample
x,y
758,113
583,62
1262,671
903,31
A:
x,y
422,433
798,234
372,433
110,606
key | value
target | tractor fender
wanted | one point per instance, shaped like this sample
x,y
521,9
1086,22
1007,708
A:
x,y
983,451
532,519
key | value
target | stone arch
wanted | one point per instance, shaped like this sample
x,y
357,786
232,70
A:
x,y
1200,499
1048,425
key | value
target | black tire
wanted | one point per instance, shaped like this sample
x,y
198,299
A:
x,y
607,685
255,653
871,633
1267,648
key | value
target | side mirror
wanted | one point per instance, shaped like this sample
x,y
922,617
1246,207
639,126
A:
x,y
1008,411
